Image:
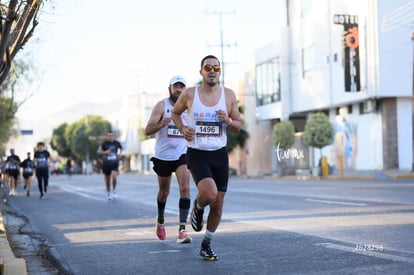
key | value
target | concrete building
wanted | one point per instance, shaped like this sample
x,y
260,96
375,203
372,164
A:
x,y
352,60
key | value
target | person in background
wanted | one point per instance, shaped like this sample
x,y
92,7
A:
x,y
110,151
28,170
41,162
13,170
68,167
170,157
3,173
211,110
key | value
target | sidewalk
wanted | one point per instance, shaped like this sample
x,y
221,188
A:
x,y
356,174
9,264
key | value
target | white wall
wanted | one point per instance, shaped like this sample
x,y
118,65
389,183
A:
x,y
395,51
370,144
322,59
364,153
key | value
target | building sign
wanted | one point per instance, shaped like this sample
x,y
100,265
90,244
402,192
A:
x,y
26,132
350,47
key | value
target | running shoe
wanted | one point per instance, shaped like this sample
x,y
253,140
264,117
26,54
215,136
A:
x,y
28,193
197,218
41,197
183,237
114,194
207,253
160,231
108,195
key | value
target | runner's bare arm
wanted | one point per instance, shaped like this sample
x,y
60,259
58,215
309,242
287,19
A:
x,y
156,120
233,121
179,107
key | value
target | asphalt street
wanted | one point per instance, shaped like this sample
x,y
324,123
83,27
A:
x,y
269,226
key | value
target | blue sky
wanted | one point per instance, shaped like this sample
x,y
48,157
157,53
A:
x,y
98,50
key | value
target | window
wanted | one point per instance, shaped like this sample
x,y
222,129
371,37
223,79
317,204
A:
x,y
309,60
267,82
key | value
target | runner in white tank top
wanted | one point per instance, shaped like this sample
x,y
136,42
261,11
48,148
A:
x,y
170,157
210,131
211,110
170,143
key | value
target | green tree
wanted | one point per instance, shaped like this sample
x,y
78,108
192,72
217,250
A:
x,y
85,136
8,103
319,131
59,142
80,139
284,134
239,138
7,111
12,96
284,138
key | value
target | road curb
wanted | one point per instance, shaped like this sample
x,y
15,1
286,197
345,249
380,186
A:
x,y
349,177
9,264
321,178
400,176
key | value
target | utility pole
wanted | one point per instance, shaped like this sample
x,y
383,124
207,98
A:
x,y
412,40
222,45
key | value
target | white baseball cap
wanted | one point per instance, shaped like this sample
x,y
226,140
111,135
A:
x,y
178,79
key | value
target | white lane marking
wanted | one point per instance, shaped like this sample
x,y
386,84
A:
x,y
102,196
164,251
381,255
81,192
337,202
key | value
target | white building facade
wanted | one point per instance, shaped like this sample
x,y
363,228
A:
x,y
352,60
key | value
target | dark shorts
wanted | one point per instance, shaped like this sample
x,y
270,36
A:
x,y
26,175
209,164
164,168
13,173
109,166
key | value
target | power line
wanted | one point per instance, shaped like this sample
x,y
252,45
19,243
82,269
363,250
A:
x,y
222,45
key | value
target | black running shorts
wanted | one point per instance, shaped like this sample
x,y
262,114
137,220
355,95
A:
x,y
165,168
109,166
209,164
14,173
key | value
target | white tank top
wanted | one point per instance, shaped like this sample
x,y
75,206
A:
x,y
210,132
170,143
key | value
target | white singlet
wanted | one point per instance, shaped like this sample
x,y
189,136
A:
x,y
210,132
170,143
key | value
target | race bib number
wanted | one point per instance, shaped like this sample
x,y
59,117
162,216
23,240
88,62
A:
x,y
42,163
205,128
112,157
13,166
173,132
28,170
